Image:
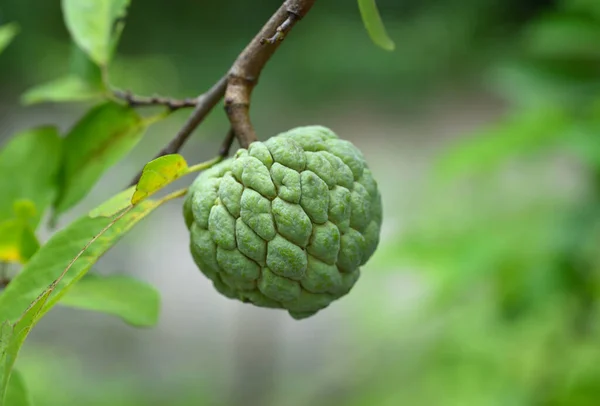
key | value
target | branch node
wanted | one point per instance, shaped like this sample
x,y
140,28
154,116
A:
x,y
236,87
203,105
227,142
282,29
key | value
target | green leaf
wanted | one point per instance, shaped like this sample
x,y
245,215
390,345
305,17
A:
x,y
115,204
94,27
56,256
374,25
18,242
24,210
7,33
520,134
83,67
17,394
17,236
99,140
10,241
29,165
6,330
83,82
66,89
157,174
135,301
55,269
16,338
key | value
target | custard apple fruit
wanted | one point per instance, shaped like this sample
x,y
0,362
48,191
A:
x,y
286,223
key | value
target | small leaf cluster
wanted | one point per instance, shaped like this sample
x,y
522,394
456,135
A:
x,y
44,173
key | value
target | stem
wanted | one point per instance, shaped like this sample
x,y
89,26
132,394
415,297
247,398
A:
x,y
145,101
204,165
205,104
239,82
244,73
227,142
173,195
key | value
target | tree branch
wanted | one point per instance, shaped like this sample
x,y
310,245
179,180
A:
x,y
205,103
244,73
143,101
236,86
281,30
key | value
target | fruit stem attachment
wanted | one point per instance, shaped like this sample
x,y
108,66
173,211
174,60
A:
x,y
244,73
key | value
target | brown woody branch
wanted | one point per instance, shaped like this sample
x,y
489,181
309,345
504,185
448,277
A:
x,y
281,30
227,142
206,102
143,101
244,73
239,82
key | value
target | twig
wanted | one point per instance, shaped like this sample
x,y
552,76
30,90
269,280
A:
x,y
244,73
143,101
227,142
281,30
205,103
239,82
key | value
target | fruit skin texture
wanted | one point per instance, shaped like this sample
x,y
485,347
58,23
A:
x,y
286,223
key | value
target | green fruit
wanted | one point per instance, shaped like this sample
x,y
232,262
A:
x,y
286,223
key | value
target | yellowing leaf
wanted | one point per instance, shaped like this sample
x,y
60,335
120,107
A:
x,y
374,25
17,241
55,269
74,248
10,253
158,174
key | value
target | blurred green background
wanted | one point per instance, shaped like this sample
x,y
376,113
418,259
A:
x,y
483,129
